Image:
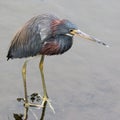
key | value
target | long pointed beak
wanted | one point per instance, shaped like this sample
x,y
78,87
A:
x,y
88,37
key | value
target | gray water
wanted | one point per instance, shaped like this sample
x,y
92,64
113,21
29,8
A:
x,y
83,83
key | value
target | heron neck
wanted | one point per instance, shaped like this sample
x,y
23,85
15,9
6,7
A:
x,y
65,43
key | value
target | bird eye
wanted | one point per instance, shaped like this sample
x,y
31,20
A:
x,y
71,30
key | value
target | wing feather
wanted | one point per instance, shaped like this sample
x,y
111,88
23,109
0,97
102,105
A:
x,y
29,39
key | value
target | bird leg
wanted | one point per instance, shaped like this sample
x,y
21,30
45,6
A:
x,y
25,89
24,80
45,95
26,103
42,76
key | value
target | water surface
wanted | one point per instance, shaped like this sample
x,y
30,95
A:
x,y
83,84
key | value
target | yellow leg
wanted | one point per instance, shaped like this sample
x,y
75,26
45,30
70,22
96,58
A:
x,y
45,95
24,80
25,90
27,104
42,76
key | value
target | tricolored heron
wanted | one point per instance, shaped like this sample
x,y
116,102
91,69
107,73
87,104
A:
x,y
44,35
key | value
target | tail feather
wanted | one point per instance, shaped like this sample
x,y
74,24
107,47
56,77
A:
x,y
9,55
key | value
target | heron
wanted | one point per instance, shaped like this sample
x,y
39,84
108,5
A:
x,y
44,35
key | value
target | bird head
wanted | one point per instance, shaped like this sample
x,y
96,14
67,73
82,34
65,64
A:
x,y
65,27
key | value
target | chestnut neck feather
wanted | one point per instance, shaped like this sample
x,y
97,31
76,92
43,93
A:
x,y
57,45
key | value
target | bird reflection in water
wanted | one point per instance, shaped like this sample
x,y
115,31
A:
x,y
35,97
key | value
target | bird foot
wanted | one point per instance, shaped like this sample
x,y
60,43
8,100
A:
x,y
44,100
32,105
28,104
35,98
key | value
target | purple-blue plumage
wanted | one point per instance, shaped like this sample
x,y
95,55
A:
x,y
43,34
